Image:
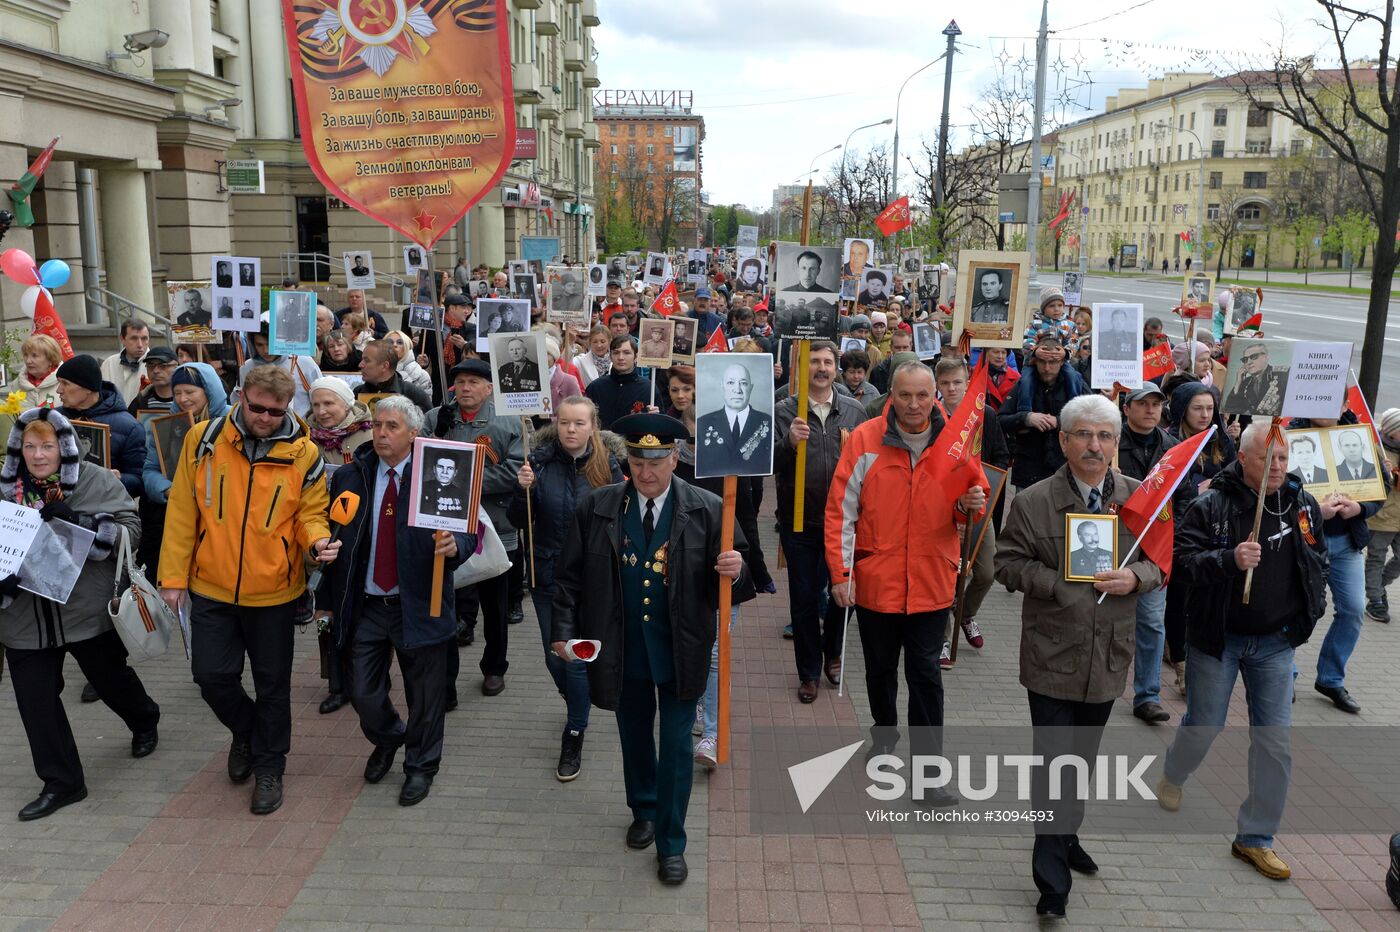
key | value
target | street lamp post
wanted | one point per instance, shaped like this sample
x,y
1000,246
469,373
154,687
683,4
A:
x,y
1200,193
885,122
895,180
807,195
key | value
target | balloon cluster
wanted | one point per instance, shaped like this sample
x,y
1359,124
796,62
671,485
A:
x,y
38,280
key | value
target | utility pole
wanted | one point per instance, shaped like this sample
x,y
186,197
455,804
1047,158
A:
x,y
1033,188
940,191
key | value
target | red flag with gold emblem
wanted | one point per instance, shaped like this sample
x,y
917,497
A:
x,y
1157,361
957,450
717,343
668,302
406,107
894,217
1148,511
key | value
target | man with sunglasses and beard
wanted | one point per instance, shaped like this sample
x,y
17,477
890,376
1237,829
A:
x,y
247,509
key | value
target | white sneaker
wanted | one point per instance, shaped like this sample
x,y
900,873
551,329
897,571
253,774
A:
x,y
705,753
945,657
698,728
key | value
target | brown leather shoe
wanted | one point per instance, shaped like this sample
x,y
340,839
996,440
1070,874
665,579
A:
x,y
1263,860
807,692
833,671
493,685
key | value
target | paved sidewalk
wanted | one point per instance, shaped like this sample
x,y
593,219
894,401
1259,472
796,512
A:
x,y
167,842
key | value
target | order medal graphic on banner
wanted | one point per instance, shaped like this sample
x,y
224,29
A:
x,y
406,107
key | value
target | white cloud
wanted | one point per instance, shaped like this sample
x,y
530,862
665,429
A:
x,y
755,65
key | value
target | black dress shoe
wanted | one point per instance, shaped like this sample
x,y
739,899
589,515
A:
x,y
1152,713
144,743
332,703
89,693
466,637
640,834
1079,860
379,763
1340,697
516,615
1051,906
671,869
240,760
48,803
1392,877
267,794
493,685
415,789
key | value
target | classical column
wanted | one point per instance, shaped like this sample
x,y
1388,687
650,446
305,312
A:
x,y
272,94
126,235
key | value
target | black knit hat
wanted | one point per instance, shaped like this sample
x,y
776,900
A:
x,y
83,371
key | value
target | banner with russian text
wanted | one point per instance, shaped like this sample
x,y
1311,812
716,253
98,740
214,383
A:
x,y
406,107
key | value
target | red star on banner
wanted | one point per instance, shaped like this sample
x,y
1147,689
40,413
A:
x,y
425,220
376,19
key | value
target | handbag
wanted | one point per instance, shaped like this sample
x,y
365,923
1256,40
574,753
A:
x,y
490,559
142,619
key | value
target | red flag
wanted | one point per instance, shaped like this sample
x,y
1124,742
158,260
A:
x,y
47,322
718,342
1148,511
1356,404
957,452
894,217
1157,361
668,302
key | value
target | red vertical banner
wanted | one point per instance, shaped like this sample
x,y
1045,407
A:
x,y
406,107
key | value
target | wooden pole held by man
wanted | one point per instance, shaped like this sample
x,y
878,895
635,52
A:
x,y
726,595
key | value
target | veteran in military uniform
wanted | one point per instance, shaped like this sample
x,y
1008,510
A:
x,y
640,571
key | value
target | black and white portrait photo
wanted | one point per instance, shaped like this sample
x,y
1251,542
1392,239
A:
x,y
857,255
696,266
447,483
425,289
192,308
617,268
654,342
1354,454
852,343
500,315
412,260
248,273
1197,288
481,288
1117,343
240,277
359,269
422,317
734,414
911,262
808,270
223,273
655,272
526,288
930,287
224,309
874,287
799,315
1243,303
169,432
1256,379
518,370
750,275
567,296
1073,286
991,296
597,280
683,340
1091,544
927,342
1306,458
94,442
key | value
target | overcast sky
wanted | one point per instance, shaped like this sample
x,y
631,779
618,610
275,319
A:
x,y
779,81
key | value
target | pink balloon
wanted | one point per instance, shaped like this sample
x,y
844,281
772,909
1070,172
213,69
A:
x,y
19,266
29,301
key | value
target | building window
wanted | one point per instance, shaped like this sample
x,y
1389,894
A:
x,y
1256,117
1220,113
668,132
1257,146
1217,149
1178,152
1295,147
631,151
651,150
1212,211
651,129
1181,121
1193,119
1216,180
1295,179
1176,182
614,149
1249,212
1256,179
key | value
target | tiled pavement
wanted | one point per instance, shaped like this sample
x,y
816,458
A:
x,y
167,843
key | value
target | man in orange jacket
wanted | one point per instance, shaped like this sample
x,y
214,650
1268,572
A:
x,y
892,548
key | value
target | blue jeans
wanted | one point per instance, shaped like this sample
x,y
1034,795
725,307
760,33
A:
x,y
1151,639
1346,577
1266,663
570,676
710,703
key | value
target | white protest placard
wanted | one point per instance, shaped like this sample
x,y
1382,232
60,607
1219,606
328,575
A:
x,y
1117,343
17,529
1317,380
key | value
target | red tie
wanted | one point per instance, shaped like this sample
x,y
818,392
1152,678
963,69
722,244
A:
x,y
386,563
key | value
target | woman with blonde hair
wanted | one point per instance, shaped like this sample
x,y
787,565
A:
x,y
408,368
593,361
571,457
39,380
